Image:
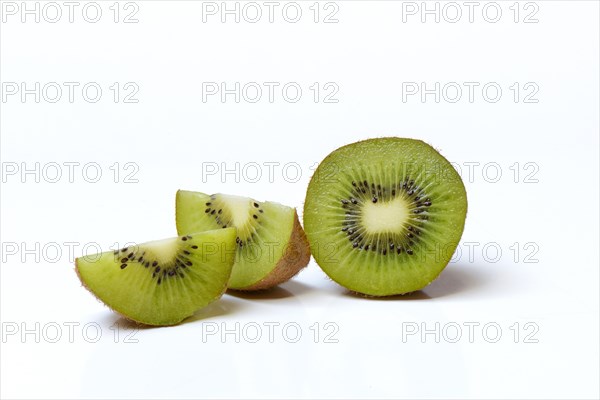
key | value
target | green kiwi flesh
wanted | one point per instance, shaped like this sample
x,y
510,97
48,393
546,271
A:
x,y
271,246
384,216
161,282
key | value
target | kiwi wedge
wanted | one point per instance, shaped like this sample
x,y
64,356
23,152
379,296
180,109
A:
x,y
271,245
161,282
384,216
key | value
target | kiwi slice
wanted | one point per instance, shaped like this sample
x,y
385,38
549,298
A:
x,y
271,245
161,282
384,216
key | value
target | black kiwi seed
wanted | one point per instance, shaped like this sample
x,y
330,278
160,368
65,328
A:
x,y
123,266
374,199
256,205
123,260
207,210
194,247
184,238
157,269
186,252
254,216
189,263
147,264
124,249
213,212
409,251
172,272
208,204
155,263
159,280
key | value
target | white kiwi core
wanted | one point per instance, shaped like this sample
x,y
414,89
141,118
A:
x,y
239,207
385,217
163,251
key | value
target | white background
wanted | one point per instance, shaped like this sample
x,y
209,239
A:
x,y
547,283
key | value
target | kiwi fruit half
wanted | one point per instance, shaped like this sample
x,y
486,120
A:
x,y
161,282
271,245
384,216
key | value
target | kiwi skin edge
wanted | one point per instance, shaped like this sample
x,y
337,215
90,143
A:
x,y
296,257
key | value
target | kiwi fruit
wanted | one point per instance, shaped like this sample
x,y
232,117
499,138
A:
x,y
271,245
384,216
161,282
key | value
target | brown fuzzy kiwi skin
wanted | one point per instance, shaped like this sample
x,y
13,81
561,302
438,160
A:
x,y
296,257
141,324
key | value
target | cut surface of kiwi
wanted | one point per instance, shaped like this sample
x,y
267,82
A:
x,y
384,216
271,246
161,282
